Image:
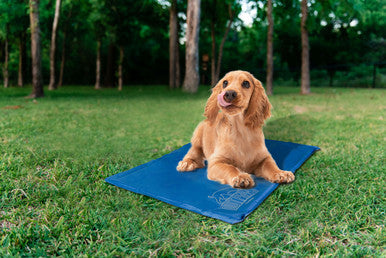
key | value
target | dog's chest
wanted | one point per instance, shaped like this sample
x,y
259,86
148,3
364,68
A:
x,y
245,146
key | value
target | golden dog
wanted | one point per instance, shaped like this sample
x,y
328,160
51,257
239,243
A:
x,y
232,141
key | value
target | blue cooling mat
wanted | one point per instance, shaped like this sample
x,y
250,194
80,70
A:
x,y
193,191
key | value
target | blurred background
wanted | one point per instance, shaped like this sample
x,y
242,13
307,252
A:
x,y
346,38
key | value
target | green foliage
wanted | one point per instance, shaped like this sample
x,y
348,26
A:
x,y
98,18
15,16
55,154
341,40
5,7
342,34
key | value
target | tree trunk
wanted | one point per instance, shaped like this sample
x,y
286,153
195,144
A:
x,y
98,66
6,58
269,49
178,70
192,77
120,80
221,48
52,85
22,59
305,78
110,67
20,77
37,81
213,59
62,61
173,45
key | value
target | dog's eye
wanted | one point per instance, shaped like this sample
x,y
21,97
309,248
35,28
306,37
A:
x,y
245,84
225,83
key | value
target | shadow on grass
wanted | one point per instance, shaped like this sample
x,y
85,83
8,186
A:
x,y
88,92
299,128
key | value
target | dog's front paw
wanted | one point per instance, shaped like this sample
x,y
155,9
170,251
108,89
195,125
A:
x,y
243,180
188,165
282,176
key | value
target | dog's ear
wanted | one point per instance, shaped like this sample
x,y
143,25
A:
x,y
259,108
211,108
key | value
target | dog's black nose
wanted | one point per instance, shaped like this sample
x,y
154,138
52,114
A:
x,y
230,95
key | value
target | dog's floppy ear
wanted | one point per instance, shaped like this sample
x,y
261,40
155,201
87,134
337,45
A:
x,y
211,108
259,107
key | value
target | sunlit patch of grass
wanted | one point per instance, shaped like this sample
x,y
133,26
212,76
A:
x,y
55,153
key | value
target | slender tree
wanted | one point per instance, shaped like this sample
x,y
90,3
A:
x,y
213,21
52,85
173,46
20,69
192,77
305,77
19,23
217,12
121,24
98,66
22,57
37,81
221,48
269,49
120,69
62,60
98,21
66,21
177,61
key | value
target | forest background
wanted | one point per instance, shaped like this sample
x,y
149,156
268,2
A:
x,y
346,41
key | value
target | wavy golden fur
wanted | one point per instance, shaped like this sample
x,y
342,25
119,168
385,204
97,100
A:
x,y
231,138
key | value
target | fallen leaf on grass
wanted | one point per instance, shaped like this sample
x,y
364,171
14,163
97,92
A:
x,y
12,107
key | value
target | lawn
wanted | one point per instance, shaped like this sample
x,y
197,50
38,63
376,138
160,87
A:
x,y
55,153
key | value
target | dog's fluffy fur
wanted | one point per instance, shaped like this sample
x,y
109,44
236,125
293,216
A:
x,y
232,141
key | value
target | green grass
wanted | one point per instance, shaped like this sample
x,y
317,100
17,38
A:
x,y
56,152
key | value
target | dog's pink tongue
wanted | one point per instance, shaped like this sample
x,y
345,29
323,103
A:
x,y
221,101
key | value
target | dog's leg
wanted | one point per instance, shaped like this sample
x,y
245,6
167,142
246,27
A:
x,y
268,170
229,174
195,157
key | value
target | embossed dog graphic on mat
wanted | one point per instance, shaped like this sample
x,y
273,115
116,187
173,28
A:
x,y
233,199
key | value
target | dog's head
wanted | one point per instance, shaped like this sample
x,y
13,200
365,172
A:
x,y
239,92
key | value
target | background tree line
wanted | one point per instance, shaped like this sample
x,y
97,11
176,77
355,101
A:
x,y
108,43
